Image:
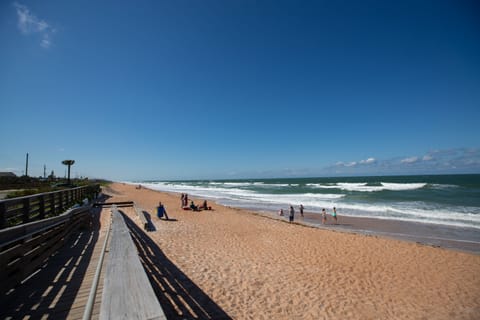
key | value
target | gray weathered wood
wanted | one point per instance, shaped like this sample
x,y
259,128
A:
x,y
127,293
35,207
142,217
24,248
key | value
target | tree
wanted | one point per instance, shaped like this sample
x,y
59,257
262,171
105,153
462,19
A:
x,y
68,163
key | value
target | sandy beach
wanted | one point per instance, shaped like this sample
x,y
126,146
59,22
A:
x,y
255,267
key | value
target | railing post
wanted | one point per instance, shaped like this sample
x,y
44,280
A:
x,y
60,200
52,204
3,214
41,206
26,210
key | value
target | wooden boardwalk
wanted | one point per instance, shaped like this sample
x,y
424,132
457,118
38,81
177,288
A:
x,y
60,289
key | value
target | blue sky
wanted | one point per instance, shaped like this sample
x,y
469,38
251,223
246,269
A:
x,y
240,89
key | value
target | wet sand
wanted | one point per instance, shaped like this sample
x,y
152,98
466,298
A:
x,y
256,267
458,238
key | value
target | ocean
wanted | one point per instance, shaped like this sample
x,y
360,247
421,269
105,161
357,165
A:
x,y
449,200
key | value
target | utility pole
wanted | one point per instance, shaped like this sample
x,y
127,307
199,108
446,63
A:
x,y
44,171
26,166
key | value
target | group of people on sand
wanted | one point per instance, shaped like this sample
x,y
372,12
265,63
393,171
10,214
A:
x,y
184,200
291,215
192,205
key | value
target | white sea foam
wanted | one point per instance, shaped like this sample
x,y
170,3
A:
x,y
242,195
364,187
237,184
443,186
402,186
415,212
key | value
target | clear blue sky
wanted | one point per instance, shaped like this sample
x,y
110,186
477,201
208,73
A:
x,y
240,89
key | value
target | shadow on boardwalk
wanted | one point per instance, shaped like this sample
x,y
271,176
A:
x,y
179,296
51,291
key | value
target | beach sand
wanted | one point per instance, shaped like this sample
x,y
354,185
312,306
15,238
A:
x,y
231,263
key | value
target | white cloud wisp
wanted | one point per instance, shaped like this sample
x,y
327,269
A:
x,y
29,24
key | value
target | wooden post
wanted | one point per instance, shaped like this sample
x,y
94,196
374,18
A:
x,y
52,204
60,201
41,208
26,210
3,215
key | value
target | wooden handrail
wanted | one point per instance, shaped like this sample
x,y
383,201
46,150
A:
x,y
36,207
127,292
25,247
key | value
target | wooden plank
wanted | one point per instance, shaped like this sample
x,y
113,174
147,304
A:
x,y
117,204
127,293
142,217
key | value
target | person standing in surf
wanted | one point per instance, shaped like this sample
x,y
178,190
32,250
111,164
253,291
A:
x,y
334,214
292,214
301,210
324,216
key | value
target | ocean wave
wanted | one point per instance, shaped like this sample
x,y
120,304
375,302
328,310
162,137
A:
x,y
252,184
237,194
443,186
364,187
416,212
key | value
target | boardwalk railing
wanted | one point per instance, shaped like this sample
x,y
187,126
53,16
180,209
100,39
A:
x,y
25,247
40,206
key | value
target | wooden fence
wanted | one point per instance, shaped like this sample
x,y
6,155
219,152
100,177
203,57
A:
x,y
43,205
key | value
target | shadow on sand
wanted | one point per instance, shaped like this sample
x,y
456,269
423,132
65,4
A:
x,y
179,296
51,290
151,225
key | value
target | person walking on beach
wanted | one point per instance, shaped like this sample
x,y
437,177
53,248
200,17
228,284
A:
x,y
334,214
301,210
292,214
183,200
324,216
